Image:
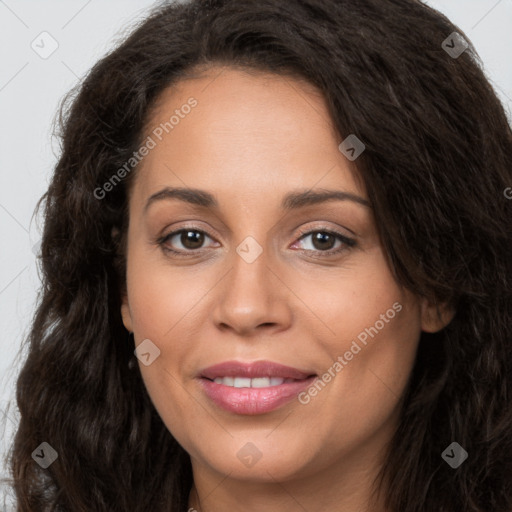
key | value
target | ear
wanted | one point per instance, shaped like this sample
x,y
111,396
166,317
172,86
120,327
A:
x,y
125,308
126,314
435,316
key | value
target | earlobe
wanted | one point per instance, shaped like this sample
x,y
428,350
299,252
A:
x,y
126,315
435,317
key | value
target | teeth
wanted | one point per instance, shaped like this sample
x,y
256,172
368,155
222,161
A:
x,y
245,382
242,382
265,382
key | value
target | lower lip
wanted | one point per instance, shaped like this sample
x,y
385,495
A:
x,y
252,401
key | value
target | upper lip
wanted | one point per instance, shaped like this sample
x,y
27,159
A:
x,y
253,370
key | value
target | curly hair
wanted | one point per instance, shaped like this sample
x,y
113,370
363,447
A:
x,y
438,158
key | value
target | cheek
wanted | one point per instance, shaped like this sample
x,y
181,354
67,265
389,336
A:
x,y
161,302
352,299
162,307
372,329
160,295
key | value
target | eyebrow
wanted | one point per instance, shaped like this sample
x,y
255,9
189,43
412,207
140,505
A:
x,y
291,201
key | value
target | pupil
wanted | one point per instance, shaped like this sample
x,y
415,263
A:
x,y
321,238
192,239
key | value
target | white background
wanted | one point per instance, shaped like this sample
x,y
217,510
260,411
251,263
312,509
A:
x,y
31,88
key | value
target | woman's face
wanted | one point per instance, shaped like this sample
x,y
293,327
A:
x,y
248,284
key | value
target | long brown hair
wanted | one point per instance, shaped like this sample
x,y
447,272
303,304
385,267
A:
x,y
438,158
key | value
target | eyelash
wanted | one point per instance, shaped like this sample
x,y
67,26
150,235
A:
x,y
347,242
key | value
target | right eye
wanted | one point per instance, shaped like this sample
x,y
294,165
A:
x,y
191,240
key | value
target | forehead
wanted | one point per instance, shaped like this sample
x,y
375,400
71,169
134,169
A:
x,y
246,130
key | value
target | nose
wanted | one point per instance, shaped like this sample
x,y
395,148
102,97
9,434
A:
x,y
252,297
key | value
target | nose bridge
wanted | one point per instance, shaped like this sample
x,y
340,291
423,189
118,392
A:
x,y
250,285
251,293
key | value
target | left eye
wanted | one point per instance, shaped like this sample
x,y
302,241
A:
x,y
323,240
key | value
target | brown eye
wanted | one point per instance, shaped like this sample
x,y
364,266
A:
x,y
323,241
184,241
192,239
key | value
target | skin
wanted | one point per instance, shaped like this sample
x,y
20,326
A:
x,y
251,139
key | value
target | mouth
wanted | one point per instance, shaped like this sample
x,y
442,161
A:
x,y
253,388
254,370
246,382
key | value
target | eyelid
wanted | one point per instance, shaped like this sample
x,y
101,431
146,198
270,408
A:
x,y
347,242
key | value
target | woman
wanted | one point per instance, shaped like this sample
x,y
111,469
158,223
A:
x,y
196,347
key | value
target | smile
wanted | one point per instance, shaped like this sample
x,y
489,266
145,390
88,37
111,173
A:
x,y
260,395
258,382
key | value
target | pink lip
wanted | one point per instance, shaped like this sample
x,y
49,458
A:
x,y
251,401
253,370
